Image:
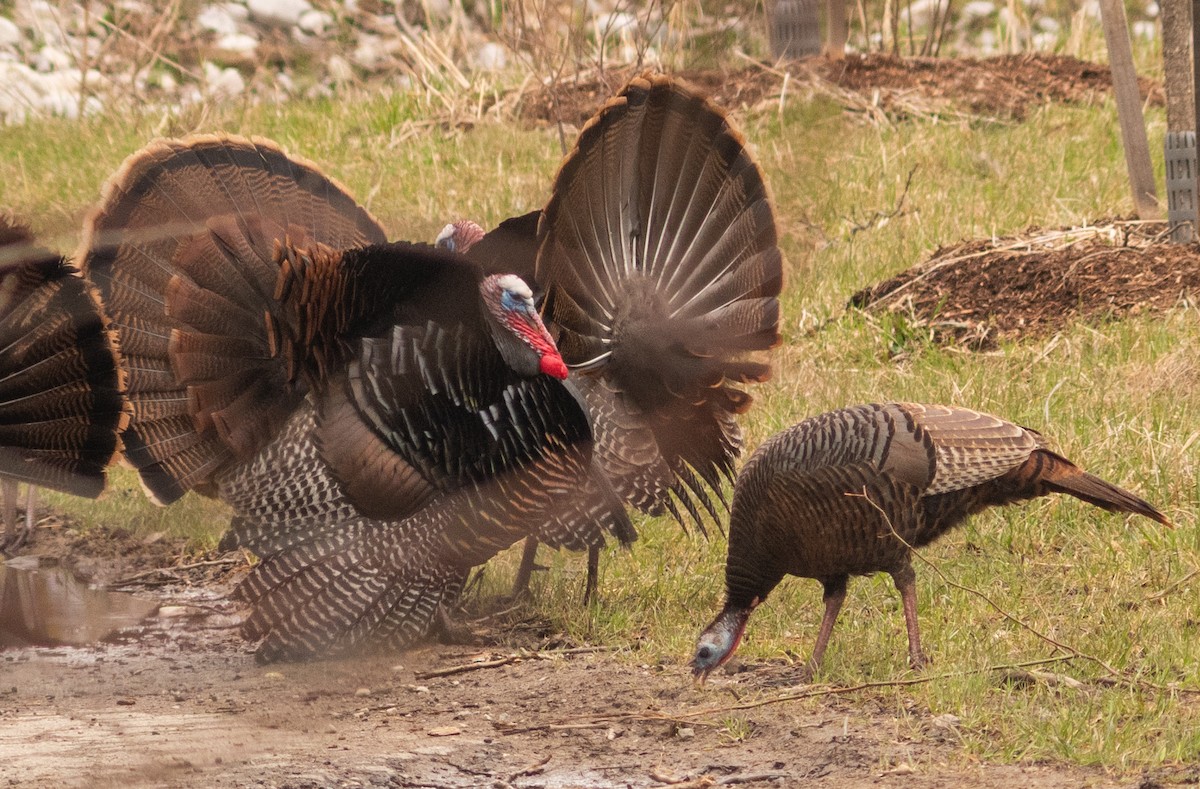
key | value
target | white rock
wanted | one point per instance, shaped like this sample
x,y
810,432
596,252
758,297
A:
x,y
987,41
241,43
218,19
339,69
1144,29
60,102
616,23
284,13
369,53
490,57
50,59
222,83
10,34
922,12
1152,10
978,9
1045,42
315,23
1048,24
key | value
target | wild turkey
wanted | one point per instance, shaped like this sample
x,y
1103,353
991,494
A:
x,y
822,498
61,405
658,258
383,417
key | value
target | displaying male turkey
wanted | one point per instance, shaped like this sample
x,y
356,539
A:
x,y
850,491
383,417
659,262
61,405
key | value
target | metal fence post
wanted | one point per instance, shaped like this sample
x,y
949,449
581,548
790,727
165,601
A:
x,y
795,29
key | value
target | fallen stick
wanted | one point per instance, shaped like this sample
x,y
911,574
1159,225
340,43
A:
x,y
506,660
175,568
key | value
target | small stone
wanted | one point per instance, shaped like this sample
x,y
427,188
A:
x,y
370,53
274,676
282,13
685,733
978,9
224,83
218,19
946,721
490,57
315,23
444,731
362,692
238,43
174,611
51,59
10,34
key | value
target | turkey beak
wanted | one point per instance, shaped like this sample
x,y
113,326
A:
x,y
699,675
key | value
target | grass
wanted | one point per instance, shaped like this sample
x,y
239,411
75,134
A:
x,y
1118,397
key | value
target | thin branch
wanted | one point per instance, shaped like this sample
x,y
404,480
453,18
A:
x,y
690,716
879,216
516,657
229,561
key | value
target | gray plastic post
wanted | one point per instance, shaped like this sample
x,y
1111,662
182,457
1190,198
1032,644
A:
x,y
795,29
1180,155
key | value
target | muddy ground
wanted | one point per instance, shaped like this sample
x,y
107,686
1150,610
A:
x,y
181,702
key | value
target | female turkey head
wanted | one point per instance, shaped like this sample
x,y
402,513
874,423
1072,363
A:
x,y
517,329
719,640
459,236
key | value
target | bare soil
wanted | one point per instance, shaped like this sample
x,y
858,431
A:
x,y
181,702
980,292
1002,88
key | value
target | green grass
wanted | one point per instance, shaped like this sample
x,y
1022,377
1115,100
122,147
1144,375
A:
x,y
1118,397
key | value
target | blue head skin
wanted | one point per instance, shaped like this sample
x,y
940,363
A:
x,y
719,640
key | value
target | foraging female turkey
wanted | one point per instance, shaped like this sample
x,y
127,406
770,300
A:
x,y
850,492
61,406
383,417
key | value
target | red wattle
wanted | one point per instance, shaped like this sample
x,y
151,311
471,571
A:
x,y
553,365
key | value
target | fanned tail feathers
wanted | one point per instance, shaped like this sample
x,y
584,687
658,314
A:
x,y
185,248
658,253
61,401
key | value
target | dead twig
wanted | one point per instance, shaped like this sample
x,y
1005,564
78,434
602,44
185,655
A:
x,y
883,216
516,657
694,717
1163,594
730,780
136,577
533,769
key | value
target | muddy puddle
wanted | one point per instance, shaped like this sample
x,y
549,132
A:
x,y
47,606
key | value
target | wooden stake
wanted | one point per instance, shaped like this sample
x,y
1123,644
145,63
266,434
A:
x,y
837,30
1177,64
1129,108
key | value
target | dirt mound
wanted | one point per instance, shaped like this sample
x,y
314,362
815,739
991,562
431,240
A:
x,y
979,292
1005,87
